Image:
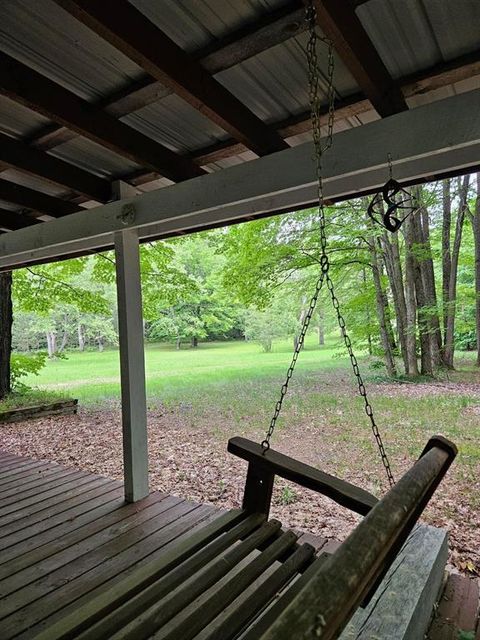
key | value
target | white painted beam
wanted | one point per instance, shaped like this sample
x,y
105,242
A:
x,y
132,365
427,141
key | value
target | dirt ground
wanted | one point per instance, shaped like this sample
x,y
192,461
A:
x,y
194,463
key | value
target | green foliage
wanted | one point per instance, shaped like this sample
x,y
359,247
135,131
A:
x,y
265,326
27,397
22,365
288,496
200,309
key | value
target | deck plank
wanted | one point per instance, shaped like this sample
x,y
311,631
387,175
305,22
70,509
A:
x,y
12,469
22,620
458,609
100,544
27,518
39,477
26,540
67,539
56,501
37,491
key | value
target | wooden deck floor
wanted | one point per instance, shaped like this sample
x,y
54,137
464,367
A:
x,y
67,535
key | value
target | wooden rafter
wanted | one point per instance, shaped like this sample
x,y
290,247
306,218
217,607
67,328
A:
x,y
133,34
418,83
38,93
18,155
36,200
341,25
266,32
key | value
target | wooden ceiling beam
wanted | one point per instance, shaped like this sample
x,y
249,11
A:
x,y
418,83
240,45
17,155
11,221
36,200
340,24
22,84
132,33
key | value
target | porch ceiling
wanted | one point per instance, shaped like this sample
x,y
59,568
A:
x,y
159,92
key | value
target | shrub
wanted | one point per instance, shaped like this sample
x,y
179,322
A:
x,y
22,365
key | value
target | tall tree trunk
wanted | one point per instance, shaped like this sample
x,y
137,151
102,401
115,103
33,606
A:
x,y
301,319
81,337
391,253
476,238
410,301
321,327
6,319
452,285
51,343
446,254
382,310
369,318
428,279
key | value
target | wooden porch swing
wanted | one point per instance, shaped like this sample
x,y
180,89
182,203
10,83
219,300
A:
x,y
243,576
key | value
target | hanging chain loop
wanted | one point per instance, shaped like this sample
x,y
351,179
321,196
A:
x,y
320,147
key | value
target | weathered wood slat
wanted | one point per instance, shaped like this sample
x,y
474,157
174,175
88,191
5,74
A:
x,y
23,541
12,466
88,551
70,480
260,625
26,480
247,605
5,455
61,537
163,585
43,613
124,578
168,607
40,486
187,626
25,518
24,470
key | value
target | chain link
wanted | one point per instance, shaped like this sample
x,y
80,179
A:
x,y
320,148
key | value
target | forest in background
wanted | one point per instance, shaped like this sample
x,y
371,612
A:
x,y
410,299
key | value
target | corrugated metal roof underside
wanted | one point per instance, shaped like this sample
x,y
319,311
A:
x,y
410,35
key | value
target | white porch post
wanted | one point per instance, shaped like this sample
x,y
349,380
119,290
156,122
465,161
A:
x,y
132,365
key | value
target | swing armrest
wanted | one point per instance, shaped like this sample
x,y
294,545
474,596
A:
x,y
263,466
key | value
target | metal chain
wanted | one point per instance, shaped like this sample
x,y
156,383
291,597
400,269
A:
x,y
320,148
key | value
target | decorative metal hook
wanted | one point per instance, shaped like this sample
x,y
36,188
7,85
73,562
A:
x,y
399,203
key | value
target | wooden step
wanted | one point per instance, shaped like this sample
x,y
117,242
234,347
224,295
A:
x,y
457,615
402,606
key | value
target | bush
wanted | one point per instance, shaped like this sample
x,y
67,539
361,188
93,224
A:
x,y
466,340
22,365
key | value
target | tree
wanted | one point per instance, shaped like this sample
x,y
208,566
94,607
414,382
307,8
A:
x,y
199,307
475,217
279,320
451,287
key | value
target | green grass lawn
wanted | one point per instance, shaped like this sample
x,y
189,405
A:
x,y
238,382
187,375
